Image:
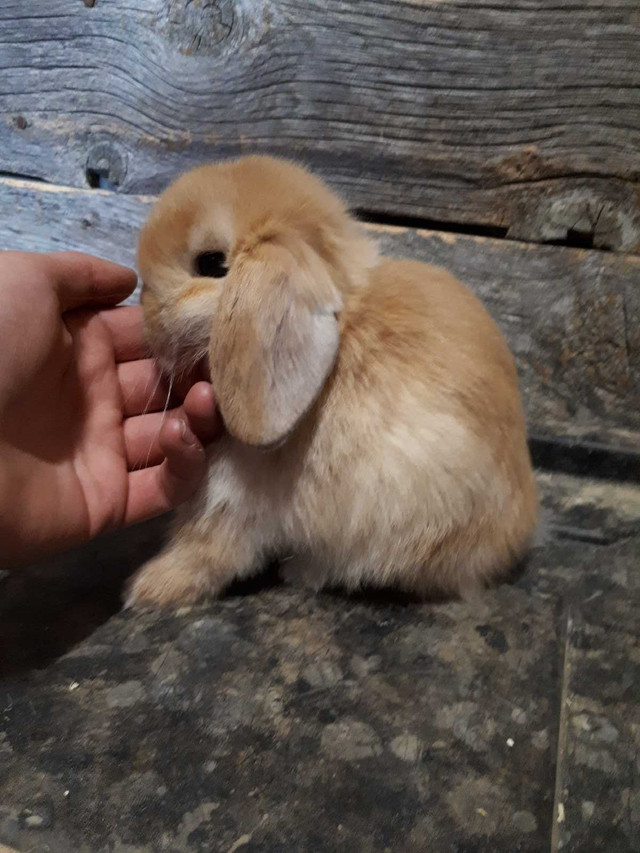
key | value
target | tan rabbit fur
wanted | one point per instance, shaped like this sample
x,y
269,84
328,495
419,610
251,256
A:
x,y
374,429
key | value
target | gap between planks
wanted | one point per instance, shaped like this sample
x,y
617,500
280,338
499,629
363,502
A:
x,y
423,228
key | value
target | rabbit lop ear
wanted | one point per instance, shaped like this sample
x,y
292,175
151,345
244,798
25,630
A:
x,y
274,340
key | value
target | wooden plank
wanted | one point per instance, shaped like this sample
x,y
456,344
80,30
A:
x,y
516,114
397,726
597,792
292,723
572,317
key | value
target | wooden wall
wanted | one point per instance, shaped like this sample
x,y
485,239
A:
x,y
464,122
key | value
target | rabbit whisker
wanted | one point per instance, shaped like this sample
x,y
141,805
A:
x,y
164,413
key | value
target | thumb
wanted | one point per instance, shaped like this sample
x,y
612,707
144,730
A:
x,y
85,281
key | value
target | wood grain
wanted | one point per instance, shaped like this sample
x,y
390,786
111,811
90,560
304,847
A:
x,y
518,114
597,775
571,316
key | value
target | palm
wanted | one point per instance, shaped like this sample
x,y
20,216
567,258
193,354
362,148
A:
x,y
78,452
90,434
66,432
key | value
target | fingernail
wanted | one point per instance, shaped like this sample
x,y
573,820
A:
x,y
187,436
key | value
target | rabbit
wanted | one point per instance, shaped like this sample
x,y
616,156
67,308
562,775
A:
x,y
374,432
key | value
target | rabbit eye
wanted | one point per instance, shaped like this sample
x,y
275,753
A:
x,y
211,265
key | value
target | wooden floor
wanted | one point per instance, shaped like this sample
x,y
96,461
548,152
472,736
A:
x,y
498,139
274,720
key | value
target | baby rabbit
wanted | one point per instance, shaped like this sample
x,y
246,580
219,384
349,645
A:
x,y
374,429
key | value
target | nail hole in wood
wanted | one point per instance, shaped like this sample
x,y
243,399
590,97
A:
x,y
94,178
99,179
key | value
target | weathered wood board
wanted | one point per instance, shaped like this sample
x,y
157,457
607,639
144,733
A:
x,y
572,317
284,722
522,115
598,779
287,723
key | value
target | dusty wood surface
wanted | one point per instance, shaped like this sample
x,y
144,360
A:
x,y
598,791
572,317
520,115
281,722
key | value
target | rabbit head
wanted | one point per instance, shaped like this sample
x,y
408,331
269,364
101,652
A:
x,y
246,264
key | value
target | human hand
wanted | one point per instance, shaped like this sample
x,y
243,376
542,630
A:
x,y
85,445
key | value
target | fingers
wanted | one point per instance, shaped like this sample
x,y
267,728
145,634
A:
x,y
184,463
127,332
142,439
144,434
143,387
146,498
200,408
159,489
82,280
178,438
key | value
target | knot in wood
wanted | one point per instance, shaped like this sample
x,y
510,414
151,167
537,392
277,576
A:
x,y
106,165
198,26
